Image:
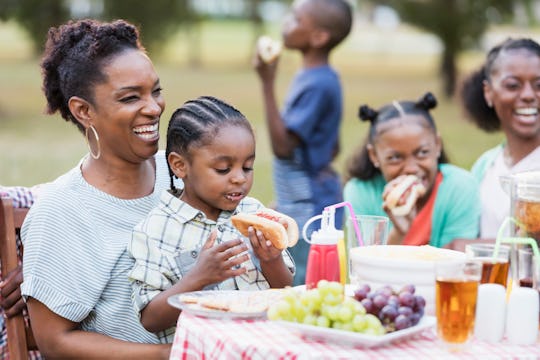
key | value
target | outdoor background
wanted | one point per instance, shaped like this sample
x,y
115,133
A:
x,y
377,64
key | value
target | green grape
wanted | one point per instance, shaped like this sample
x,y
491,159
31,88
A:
x,y
311,299
310,319
273,313
336,288
323,321
283,308
332,312
300,311
372,321
359,322
323,284
337,325
347,326
345,314
333,299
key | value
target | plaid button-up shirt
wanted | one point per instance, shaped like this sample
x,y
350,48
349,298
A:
x,y
166,246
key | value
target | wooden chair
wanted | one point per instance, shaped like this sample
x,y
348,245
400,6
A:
x,y
20,337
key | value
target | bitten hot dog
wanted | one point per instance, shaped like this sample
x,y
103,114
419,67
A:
x,y
401,199
268,222
268,49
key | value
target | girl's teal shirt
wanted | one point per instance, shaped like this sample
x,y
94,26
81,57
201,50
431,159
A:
x,y
456,212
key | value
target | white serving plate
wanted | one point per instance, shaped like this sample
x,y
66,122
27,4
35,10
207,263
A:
x,y
255,303
357,339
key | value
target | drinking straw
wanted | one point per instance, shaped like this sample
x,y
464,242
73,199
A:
x,y
513,240
353,216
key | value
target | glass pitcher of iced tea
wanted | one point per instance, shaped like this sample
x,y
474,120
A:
x,y
524,191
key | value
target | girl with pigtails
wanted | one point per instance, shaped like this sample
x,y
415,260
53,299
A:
x,y
402,141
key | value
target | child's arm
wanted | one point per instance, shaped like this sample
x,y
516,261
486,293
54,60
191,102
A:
x,y
273,266
214,265
283,141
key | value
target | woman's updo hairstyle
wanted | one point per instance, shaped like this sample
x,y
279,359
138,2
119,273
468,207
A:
x,y
472,89
360,165
74,56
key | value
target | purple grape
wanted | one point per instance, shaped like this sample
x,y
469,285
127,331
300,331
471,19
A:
x,y
380,301
405,310
360,294
420,301
406,299
386,291
402,322
368,305
366,288
408,288
388,312
393,300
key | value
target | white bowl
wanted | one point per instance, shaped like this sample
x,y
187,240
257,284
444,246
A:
x,y
399,265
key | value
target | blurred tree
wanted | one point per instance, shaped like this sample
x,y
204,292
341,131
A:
x,y
459,24
35,16
156,19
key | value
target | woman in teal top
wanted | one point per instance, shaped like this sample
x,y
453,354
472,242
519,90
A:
x,y
403,140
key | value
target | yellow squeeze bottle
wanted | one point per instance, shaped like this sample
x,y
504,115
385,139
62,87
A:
x,y
342,254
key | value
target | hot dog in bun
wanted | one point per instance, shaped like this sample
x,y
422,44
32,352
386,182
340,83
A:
x,y
268,49
402,198
270,223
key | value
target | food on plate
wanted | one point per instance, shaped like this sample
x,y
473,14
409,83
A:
x,y
326,306
397,310
231,301
281,230
268,49
401,199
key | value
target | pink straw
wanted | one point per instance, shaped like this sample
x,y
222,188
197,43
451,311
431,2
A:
x,y
353,217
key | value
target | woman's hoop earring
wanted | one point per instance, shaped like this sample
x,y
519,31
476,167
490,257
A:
x,y
95,156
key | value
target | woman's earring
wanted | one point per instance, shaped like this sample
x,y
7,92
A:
x,y
96,136
489,104
376,164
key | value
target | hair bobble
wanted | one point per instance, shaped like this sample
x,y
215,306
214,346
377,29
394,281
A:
x,y
365,113
427,102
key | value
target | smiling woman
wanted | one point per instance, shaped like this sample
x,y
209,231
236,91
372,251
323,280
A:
x,y
98,77
504,94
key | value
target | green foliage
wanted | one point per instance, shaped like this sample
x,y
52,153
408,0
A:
x,y
36,16
156,19
459,24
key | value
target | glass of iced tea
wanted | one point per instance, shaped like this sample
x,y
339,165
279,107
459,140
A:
x,y
456,291
494,268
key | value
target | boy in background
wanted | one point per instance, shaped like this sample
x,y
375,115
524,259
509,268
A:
x,y
305,135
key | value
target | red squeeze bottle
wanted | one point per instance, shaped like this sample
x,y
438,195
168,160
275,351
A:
x,y
323,257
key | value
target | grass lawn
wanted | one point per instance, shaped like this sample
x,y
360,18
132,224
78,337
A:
x,y
35,147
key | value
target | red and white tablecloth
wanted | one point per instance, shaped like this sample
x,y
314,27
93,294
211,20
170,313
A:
x,y
203,338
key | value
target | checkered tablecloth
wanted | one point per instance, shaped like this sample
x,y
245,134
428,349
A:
x,y
203,338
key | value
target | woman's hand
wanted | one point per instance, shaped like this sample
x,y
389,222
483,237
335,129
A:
x,y
221,262
10,291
